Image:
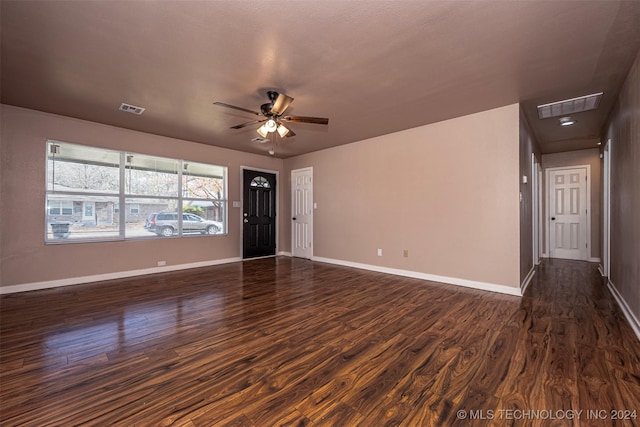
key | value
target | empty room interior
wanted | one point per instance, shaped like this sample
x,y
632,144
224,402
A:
x,y
344,213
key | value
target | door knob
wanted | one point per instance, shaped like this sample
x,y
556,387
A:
x,y
553,218
246,220
294,218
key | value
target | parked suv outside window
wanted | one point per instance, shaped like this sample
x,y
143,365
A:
x,y
166,224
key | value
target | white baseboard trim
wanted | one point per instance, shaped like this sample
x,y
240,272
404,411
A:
x,y
424,276
631,318
527,279
282,253
601,270
544,255
24,287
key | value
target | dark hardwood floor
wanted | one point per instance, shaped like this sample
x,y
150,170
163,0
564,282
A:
x,y
285,341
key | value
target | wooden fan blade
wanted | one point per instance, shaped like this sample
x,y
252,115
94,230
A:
x,y
222,104
290,133
245,124
304,119
281,103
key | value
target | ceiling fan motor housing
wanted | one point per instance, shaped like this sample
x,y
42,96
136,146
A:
x,y
266,108
273,95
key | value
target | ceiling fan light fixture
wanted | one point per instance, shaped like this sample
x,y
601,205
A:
x,y
270,125
282,130
263,131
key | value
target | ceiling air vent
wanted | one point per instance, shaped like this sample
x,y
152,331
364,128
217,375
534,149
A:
x,y
569,106
260,140
131,108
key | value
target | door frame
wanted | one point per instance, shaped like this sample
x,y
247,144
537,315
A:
x,y
606,209
547,172
310,168
541,252
240,217
536,193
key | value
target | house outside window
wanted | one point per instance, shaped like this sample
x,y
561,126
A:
x,y
86,186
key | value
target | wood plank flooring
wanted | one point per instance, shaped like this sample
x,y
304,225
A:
x,y
292,342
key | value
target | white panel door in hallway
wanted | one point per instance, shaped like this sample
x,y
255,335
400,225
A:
x,y
302,213
568,213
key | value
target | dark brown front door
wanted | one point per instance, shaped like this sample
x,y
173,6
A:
x,y
259,214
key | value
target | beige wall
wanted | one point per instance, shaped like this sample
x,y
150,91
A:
x,y
589,157
623,128
528,146
446,192
26,259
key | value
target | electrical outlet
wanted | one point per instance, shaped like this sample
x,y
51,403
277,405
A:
x,y
405,253
162,263
379,252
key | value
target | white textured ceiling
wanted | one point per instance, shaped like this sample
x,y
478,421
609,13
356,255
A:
x,y
372,67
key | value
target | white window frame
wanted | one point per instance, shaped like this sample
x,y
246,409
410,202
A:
x,y
122,196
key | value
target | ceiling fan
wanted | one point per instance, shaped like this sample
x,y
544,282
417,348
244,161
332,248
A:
x,y
274,117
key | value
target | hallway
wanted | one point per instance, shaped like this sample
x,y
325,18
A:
x,y
575,349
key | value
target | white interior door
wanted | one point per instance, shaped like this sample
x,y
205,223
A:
x,y
302,213
568,208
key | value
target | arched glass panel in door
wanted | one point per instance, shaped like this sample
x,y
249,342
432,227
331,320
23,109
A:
x,y
260,181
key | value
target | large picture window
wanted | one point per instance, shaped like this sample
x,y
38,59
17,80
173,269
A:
x,y
86,186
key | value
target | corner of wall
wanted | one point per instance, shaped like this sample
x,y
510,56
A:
x,y
528,146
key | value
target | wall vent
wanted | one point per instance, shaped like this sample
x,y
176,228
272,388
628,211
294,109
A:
x,y
131,108
569,106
